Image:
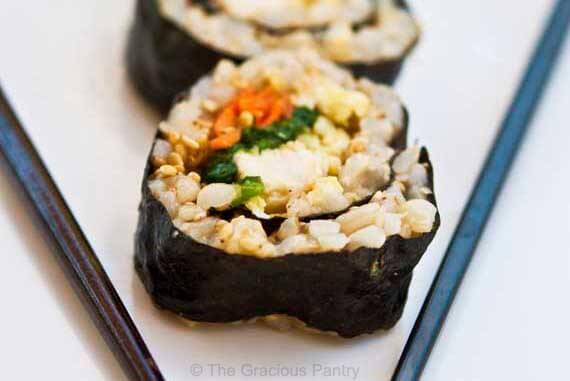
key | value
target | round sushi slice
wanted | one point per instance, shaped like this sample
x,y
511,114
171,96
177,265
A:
x,y
283,187
174,42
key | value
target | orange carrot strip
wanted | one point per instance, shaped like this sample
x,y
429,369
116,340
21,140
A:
x,y
226,118
226,140
254,103
274,114
280,108
257,102
267,106
288,107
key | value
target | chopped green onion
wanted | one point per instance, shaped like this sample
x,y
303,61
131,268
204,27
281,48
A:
x,y
280,132
249,187
221,169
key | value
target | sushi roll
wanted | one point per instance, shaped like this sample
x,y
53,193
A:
x,y
282,187
174,42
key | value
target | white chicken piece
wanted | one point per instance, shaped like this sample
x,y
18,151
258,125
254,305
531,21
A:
x,y
283,169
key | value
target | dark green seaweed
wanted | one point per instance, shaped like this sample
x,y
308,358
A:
x,y
163,60
350,293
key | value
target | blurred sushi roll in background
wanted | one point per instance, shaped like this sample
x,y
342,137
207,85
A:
x,y
282,188
174,42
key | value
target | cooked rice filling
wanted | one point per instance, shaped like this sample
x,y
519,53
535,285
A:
x,y
313,140
353,31
279,14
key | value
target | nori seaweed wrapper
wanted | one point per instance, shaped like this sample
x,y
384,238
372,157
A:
x,y
163,60
349,293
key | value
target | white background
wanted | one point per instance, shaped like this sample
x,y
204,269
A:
x,y
61,63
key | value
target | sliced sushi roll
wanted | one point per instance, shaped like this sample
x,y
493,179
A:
x,y
174,42
282,187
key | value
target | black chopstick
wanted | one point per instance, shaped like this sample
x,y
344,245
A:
x,y
480,205
74,253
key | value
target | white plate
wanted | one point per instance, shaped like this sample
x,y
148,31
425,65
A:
x,y
62,66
